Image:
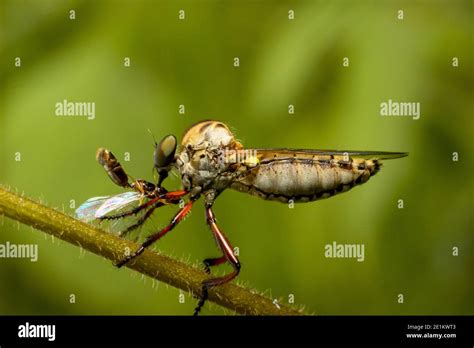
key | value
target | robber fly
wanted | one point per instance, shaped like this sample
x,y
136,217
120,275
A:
x,y
210,160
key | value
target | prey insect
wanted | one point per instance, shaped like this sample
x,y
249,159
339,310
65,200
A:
x,y
210,160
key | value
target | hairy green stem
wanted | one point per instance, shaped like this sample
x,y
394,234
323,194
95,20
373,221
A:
x,y
162,268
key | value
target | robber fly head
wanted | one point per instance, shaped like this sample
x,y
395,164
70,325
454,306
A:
x,y
163,156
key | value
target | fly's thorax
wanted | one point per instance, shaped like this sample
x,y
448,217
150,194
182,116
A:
x,y
210,133
201,161
144,187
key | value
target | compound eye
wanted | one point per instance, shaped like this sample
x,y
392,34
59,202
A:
x,y
164,151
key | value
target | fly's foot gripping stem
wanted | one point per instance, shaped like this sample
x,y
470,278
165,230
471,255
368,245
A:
x,y
228,255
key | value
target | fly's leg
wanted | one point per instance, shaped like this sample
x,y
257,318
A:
x,y
154,237
229,256
145,217
208,263
140,221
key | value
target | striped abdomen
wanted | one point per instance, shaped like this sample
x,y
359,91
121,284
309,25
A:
x,y
305,180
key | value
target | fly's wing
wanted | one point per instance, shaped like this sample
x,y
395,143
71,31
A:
x,y
86,212
271,155
253,158
119,203
100,207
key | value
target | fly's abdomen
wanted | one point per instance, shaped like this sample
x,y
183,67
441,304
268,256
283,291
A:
x,y
305,180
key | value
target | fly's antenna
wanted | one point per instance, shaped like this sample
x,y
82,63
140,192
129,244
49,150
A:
x,y
153,170
153,136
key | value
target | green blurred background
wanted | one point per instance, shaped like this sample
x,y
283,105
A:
x,y
282,62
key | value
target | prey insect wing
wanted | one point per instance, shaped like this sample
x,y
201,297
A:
x,y
86,212
118,203
100,207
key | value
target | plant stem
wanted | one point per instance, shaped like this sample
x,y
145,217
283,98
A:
x,y
109,246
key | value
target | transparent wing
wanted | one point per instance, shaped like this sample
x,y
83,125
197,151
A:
x,y
119,203
254,158
97,207
282,154
86,212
